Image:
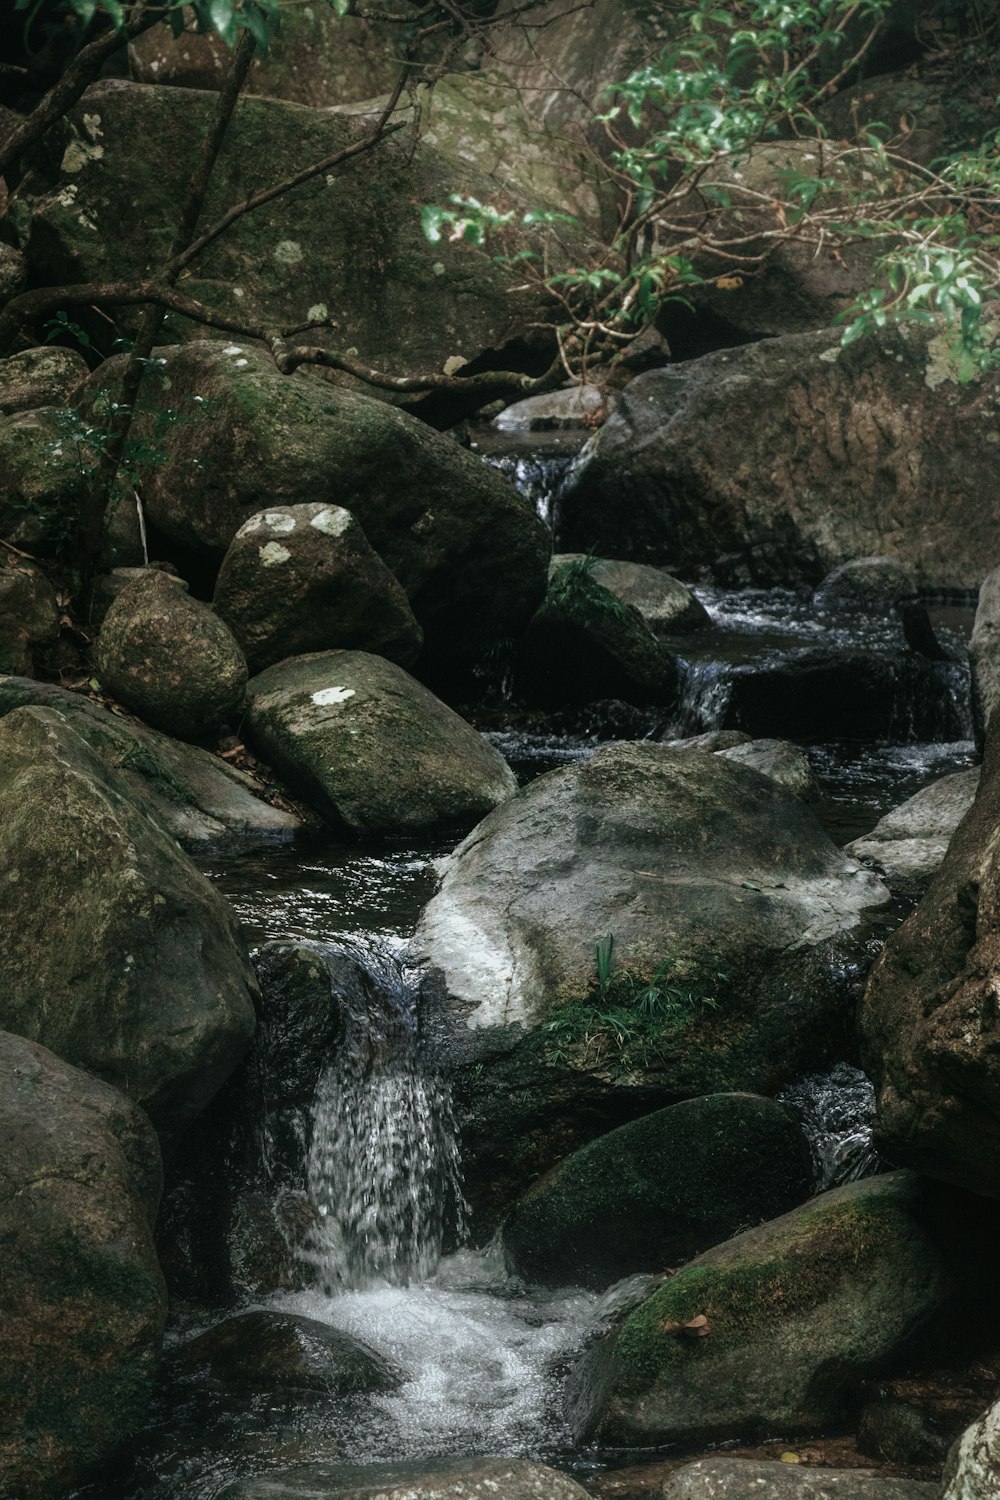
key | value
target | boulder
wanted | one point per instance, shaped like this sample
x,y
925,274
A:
x,y
118,954
712,740
908,845
277,1352
584,644
984,654
921,119
39,377
865,583
667,605
41,480
974,1461
445,1479
659,1190
171,660
199,798
82,1301
783,459
724,1478
13,273
303,578
371,748
578,406
784,763
900,1432
929,1024
29,613
725,902
798,1313
468,550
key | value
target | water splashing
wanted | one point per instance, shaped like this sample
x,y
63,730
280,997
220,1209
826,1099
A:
x,y
837,1110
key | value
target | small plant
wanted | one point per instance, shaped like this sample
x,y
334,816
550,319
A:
x,y
574,587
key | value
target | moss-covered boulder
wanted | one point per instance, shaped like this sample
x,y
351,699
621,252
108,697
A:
x,y
29,613
467,549
303,578
658,1191
667,605
82,1301
735,927
799,1313
371,748
722,1478
275,1351
118,954
169,658
873,448
39,377
41,480
198,797
583,643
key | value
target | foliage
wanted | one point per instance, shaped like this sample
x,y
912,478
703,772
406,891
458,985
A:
x,y
629,1021
574,587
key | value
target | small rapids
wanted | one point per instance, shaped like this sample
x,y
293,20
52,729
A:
x,y
837,1110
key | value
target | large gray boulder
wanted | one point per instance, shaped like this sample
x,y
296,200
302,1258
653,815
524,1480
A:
x,y
41,479
118,954
369,747
468,550
724,1478
82,1301
39,377
441,1479
973,1466
198,797
29,613
908,845
303,578
798,1313
716,463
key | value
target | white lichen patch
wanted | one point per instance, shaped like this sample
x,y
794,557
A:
x,y
831,355
273,553
288,253
318,313
278,521
326,696
79,153
232,349
333,520
92,125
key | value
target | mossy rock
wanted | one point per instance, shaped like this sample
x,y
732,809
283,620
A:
x,y
39,377
800,1312
659,1190
42,488
276,1352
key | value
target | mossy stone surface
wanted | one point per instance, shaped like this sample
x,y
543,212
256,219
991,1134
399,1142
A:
x,y
42,485
275,1351
29,613
39,377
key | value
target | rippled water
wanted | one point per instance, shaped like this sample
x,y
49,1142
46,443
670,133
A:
x,y
837,1110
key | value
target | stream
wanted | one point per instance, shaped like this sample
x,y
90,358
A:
x,y
482,1356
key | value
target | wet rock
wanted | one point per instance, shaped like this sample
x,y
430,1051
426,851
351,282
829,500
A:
x,y
974,1461
658,1191
713,882
584,644
576,407
735,1478
929,1021
865,583
171,660
275,1351
82,1302
713,740
898,1432
798,1313
118,954
370,748
984,654
39,377
42,480
667,605
467,549
896,471
29,614
908,845
303,578
199,798
786,764
446,1479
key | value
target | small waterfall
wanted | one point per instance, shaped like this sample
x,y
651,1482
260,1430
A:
x,y
706,689
837,1110
382,1170
537,476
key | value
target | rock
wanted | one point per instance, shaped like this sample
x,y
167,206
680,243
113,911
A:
x,y
721,1478
107,587
974,1461
713,740
584,644
470,553
82,1301
901,467
899,1432
721,893
984,654
171,660
448,1479
786,764
658,1191
923,118
667,605
929,1020
799,1312
908,845
370,748
865,583
405,304
276,1352
39,377
122,543
43,480
576,406
118,954
29,613
199,798
303,578
13,273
